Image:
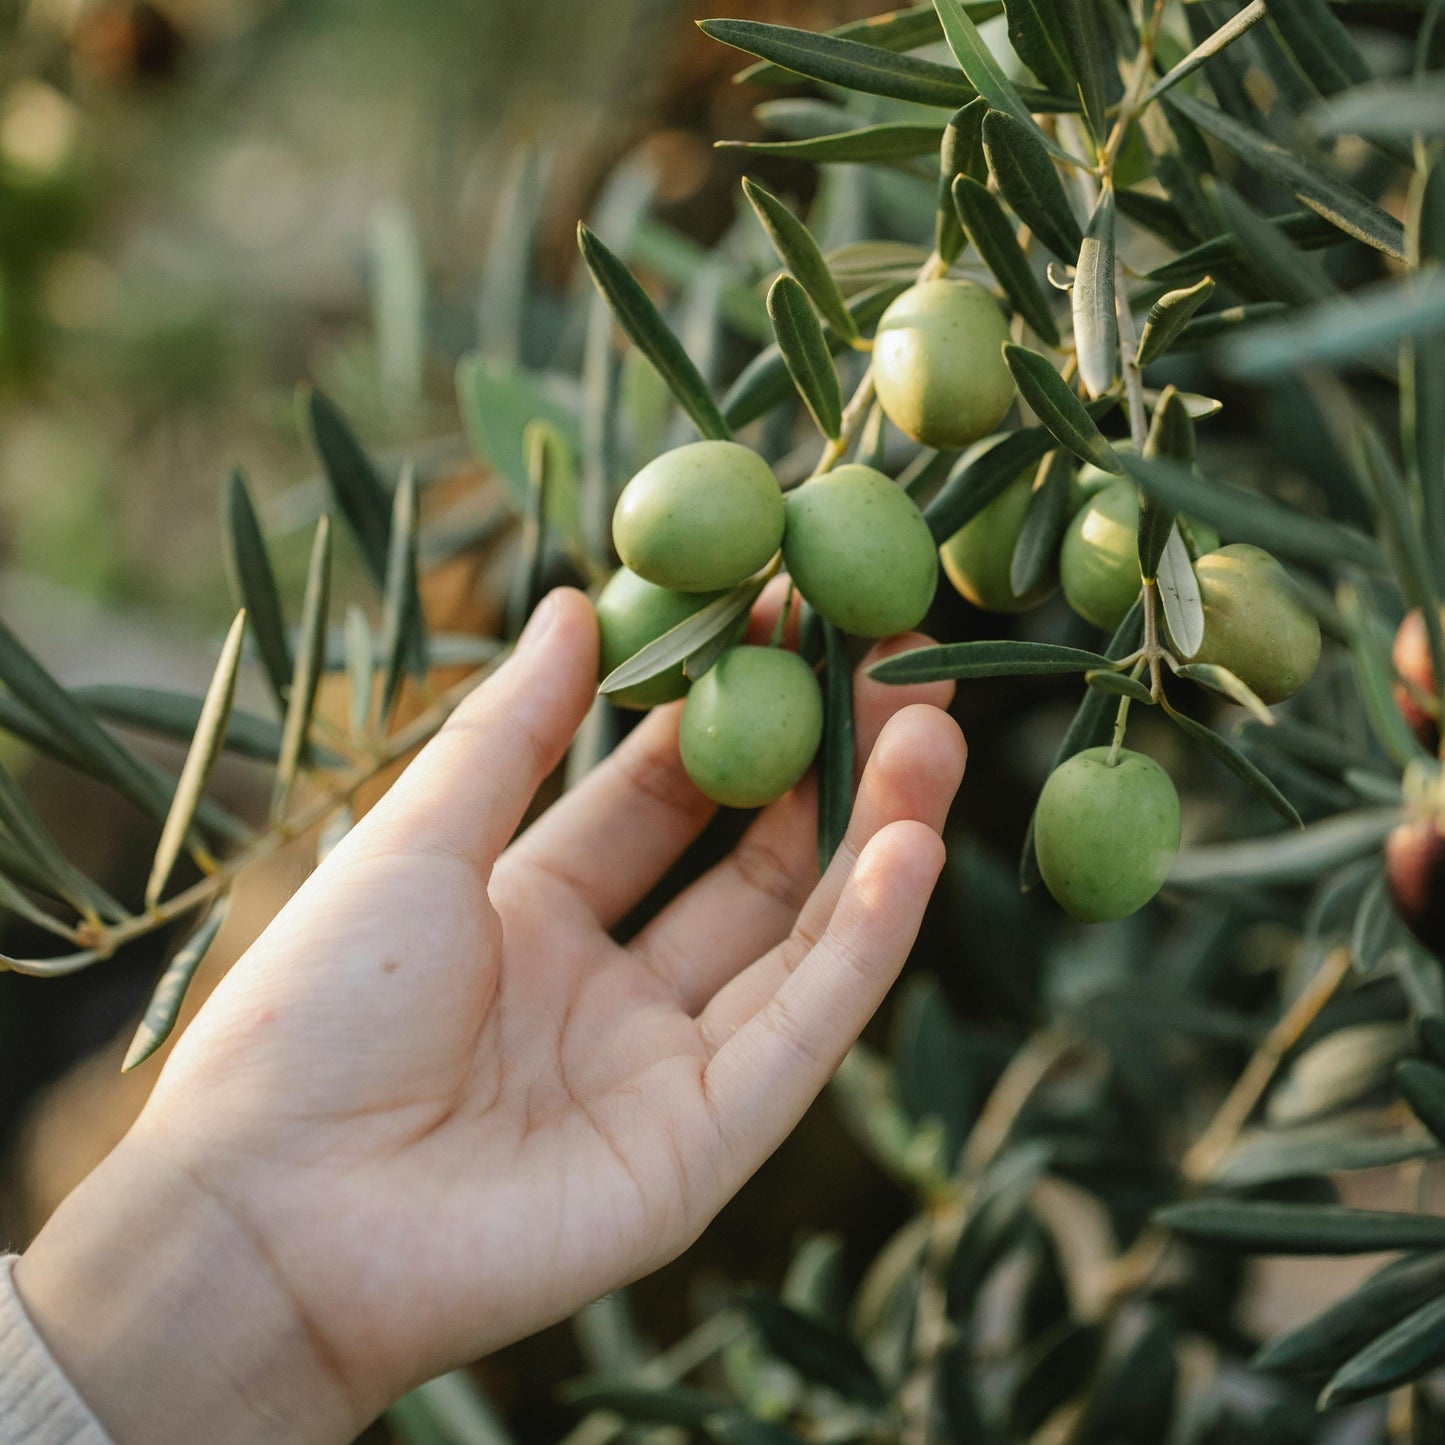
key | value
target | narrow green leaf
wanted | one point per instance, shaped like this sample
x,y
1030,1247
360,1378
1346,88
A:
x,y
1412,1348
360,670
401,601
1313,34
646,1404
1120,684
1242,768
1258,1227
40,851
397,282
449,1410
838,754
1268,257
816,1348
1159,215
1422,362
691,634
1422,1086
1096,322
1225,322
306,676
993,237
1037,547
1395,111
1179,157
907,29
1061,412
959,154
1321,191
1171,435
799,253
1167,318
805,353
165,1003
951,660
362,498
1269,1154
249,564
1033,31
1179,595
1085,37
1369,643
865,145
201,758
1237,25
646,329
1027,180
849,64
1220,680
1303,228
1251,516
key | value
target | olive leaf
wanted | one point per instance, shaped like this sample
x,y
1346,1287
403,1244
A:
x,y
402,621
1403,1353
1096,324
1061,412
894,140
1024,172
542,474
361,496
1033,31
1320,43
907,29
1120,684
1171,435
818,1349
1037,547
1422,1085
1237,25
805,353
1422,363
1303,229
306,674
1168,317
169,994
1270,1154
1213,325
959,155
993,237
249,563
1340,204
838,754
646,1404
1261,1227
799,253
1298,857
646,329
1084,39
1389,113
1270,260
201,759
1374,676
1250,775
950,660
1220,680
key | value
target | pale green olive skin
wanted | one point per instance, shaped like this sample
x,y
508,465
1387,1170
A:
x,y
700,518
1106,837
978,556
1255,623
938,364
1099,558
631,612
860,552
751,726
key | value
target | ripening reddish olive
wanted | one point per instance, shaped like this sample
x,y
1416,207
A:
x,y
1255,622
700,518
978,556
751,726
631,612
938,364
1106,835
1415,876
1416,692
861,553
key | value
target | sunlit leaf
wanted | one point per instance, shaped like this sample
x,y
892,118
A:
x,y
1096,325
799,253
805,353
1061,412
992,234
165,1003
1237,25
249,563
1220,680
1259,1227
869,144
1024,170
983,659
1167,318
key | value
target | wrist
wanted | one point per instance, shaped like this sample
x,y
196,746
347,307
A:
x,y
168,1317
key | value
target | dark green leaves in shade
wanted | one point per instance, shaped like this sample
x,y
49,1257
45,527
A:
x,y
816,1348
1423,1087
1086,39
799,253
646,329
984,659
1096,323
165,1003
1120,684
1251,516
310,660
1171,435
1237,25
1037,547
362,498
805,353
839,750
846,63
1034,33
1167,318
869,144
200,760
1319,42
1260,1227
1061,413
906,29
1391,111
547,459
1403,1353
1221,681
401,601
249,564
1237,763
690,636
992,234
646,1404
1027,180
1321,191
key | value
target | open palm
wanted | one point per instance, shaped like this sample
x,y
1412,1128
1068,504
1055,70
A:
x,y
450,1109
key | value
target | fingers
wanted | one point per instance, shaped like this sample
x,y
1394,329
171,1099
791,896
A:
x,y
749,902
467,790
912,776
759,1084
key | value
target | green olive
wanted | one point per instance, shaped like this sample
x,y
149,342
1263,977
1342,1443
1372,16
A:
x,y
938,364
1106,836
631,612
1255,622
860,552
978,556
1099,559
751,725
699,518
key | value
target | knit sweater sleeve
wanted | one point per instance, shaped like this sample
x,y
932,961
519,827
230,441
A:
x,y
38,1405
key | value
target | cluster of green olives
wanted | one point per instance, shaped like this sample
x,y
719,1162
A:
x,y
703,518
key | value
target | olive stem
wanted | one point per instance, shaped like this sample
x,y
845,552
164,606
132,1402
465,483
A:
x,y
776,640
1121,718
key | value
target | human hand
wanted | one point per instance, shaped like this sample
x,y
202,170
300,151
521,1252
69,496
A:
x,y
436,1107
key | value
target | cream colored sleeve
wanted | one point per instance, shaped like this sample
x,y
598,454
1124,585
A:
x,y
38,1405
